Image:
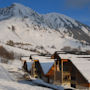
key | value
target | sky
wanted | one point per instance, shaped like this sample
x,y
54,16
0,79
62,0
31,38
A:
x,y
77,9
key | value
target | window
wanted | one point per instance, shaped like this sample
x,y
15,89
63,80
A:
x,y
66,78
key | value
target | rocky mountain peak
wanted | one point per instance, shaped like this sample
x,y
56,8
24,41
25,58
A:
x,y
64,25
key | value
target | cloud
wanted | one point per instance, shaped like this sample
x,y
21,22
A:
x,y
78,3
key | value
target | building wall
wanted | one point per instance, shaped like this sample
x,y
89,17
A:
x,y
78,79
25,66
54,73
75,77
37,70
66,72
82,87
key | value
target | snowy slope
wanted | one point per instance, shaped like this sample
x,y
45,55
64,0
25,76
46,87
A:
x,y
51,31
8,80
7,83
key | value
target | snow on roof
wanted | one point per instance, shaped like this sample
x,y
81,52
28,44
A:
x,y
28,61
65,56
45,62
25,58
69,56
42,58
82,64
29,65
46,66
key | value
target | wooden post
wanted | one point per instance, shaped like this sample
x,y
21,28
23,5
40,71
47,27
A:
x,y
76,76
32,70
59,76
55,68
48,80
61,71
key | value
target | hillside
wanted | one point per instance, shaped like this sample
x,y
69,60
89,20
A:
x,y
43,33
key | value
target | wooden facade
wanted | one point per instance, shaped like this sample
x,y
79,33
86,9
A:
x,y
70,75
36,70
52,76
54,73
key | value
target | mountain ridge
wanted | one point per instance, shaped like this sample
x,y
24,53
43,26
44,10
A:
x,y
45,30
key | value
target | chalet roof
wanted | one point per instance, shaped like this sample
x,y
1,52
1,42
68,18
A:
x,y
46,66
25,58
69,56
45,62
29,65
82,64
29,62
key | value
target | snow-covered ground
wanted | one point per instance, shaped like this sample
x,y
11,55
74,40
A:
x,y
11,75
7,81
11,78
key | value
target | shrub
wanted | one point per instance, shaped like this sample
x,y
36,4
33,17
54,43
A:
x,y
75,50
10,42
88,52
53,47
5,54
66,48
13,28
40,47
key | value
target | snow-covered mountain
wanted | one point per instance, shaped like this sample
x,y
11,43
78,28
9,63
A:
x,y
49,32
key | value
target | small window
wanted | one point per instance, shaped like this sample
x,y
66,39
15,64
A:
x,y
66,78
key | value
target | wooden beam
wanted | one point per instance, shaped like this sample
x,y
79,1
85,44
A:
x,y
61,71
55,69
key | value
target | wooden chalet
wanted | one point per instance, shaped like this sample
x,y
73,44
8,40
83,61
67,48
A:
x,y
44,68
74,70
61,68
